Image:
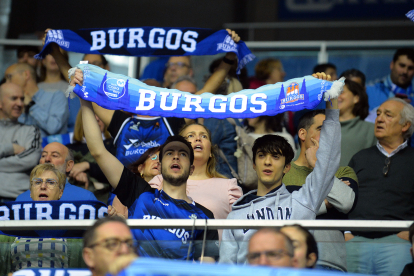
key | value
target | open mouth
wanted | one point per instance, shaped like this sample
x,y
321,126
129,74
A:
x,y
198,148
43,197
175,167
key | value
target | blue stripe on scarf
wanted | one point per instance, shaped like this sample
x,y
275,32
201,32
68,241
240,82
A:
x,y
119,92
148,41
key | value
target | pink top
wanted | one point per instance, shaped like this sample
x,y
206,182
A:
x,y
216,194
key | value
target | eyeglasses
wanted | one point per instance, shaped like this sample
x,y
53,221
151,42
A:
x,y
271,255
50,182
113,244
387,166
154,157
178,64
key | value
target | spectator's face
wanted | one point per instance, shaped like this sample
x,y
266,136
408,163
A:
x,y
50,63
269,249
177,67
151,167
95,60
314,130
176,167
270,168
347,101
276,75
299,244
186,86
45,191
55,153
28,57
11,102
387,123
105,249
200,141
402,71
332,72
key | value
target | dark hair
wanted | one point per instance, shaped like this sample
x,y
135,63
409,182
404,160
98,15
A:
x,y
273,123
409,52
177,138
354,73
43,73
273,144
307,120
141,160
90,234
103,59
311,244
24,49
361,108
265,67
411,233
323,67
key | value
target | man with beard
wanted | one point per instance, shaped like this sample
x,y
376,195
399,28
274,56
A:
x,y
176,157
62,158
399,83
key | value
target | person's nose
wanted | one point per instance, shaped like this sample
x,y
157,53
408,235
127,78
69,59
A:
x,y
124,248
268,160
263,260
48,159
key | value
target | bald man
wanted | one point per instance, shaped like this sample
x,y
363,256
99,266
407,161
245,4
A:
x,y
46,110
19,144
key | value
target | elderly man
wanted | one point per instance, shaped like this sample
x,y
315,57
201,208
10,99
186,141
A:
x,y
19,144
46,110
386,190
60,156
270,247
107,240
177,67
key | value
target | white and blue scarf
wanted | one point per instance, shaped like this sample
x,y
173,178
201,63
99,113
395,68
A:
x,y
119,92
148,41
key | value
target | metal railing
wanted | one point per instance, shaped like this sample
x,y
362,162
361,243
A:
x,y
351,225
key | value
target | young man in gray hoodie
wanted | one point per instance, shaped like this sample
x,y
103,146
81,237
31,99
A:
x,y
272,155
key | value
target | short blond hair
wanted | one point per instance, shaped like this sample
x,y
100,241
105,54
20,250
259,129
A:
x,y
41,168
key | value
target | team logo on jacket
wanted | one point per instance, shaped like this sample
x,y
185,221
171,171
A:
x,y
227,45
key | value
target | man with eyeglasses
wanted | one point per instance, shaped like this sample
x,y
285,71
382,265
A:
x,y
270,247
107,240
46,110
177,67
19,144
386,191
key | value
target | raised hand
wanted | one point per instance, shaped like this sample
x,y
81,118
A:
x,y
310,153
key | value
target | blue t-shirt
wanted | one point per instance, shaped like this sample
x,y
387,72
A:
x,y
154,204
70,193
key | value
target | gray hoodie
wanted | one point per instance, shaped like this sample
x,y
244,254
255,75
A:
x,y
280,204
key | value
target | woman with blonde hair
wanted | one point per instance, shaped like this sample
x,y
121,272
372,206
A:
x,y
205,185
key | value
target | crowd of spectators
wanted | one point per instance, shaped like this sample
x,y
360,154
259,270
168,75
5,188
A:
x,y
156,167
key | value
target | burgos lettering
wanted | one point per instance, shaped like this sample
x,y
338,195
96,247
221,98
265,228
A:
x,y
158,38
57,37
114,88
228,45
179,233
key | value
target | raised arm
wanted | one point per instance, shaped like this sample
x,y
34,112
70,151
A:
x,y
62,63
217,78
108,163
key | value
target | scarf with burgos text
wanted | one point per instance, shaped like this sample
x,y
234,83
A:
x,y
50,210
119,92
148,41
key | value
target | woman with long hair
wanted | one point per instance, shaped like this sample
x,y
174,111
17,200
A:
x,y
357,134
205,185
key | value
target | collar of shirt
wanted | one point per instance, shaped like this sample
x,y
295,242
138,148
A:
x,y
400,147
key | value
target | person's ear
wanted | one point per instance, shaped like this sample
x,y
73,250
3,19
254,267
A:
x,y
61,193
192,167
190,72
302,134
69,165
286,169
392,65
311,260
406,126
141,168
356,99
88,257
411,251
